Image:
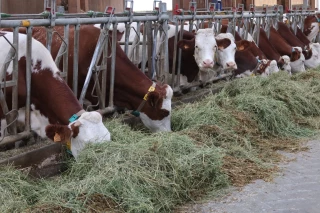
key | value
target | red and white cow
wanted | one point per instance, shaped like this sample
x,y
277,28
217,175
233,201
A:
x,y
296,56
56,111
130,86
311,27
311,55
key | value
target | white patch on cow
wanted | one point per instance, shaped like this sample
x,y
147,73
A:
x,y
38,122
314,61
205,49
226,56
286,67
272,68
91,130
298,65
39,54
163,125
314,31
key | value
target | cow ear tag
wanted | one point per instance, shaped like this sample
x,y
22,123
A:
x,y
57,137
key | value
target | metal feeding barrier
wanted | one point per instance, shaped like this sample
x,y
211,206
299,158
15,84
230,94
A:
x,y
145,42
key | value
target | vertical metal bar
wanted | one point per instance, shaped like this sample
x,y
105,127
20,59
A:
x,y
28,77
49,38
136,56
113,63
75,59
150,47
66,54
179,56
144,48
104,71
174,62
15,75
166,51
127,33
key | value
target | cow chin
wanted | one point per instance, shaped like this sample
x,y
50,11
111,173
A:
x,y
163,125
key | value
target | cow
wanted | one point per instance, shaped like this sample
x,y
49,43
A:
x,y
311,27
56,112
133,90
249,64
296,57
271,53
204,56
311,56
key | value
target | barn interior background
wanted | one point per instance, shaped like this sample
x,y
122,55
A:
x,y
76,6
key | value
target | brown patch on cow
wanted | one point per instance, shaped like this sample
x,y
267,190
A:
x,y
75,130
155,101
223,43
295,55
307,52
59,132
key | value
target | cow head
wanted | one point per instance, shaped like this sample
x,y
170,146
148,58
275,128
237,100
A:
x,y
311,27
312,56
88,128
226,51
284,63
297,60
156,112
205,49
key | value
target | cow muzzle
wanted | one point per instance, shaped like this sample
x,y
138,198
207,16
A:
x,y
231,65
208,63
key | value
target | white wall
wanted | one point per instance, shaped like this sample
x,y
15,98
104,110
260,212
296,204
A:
x,y
147,5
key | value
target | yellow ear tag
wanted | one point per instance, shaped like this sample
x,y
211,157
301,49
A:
x,y
68,144
56,138
252,74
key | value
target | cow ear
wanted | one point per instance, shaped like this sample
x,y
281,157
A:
x,y
186,44
153,99
58,133
223,43
75,129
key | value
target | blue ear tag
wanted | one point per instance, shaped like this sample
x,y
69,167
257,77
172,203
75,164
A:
x,y
73,118
135,113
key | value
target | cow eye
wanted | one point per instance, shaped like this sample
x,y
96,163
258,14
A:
x,y
196,46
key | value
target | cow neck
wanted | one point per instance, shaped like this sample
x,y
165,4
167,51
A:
x,y
53,97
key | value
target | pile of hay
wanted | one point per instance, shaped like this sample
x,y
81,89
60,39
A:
x,y
226,138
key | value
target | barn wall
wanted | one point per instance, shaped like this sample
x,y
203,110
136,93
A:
x,y
22,7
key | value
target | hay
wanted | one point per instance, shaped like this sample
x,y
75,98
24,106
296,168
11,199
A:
x,y
229,137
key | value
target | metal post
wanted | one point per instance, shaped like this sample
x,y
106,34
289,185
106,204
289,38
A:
x,y
136,56
127,33
144,44
15,75
113,63
66,54
150,47
174,62
28,77
49,38
75,59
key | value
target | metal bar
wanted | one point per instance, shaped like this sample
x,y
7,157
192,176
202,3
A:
x,y
74,21
66,53
49,38
104,72
166,51
150,47
136,57
75,60
126,38
174,62
28,78
113,64
144,48
13,138
90,70
15,74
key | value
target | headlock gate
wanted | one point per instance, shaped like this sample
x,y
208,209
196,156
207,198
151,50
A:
x,y
145,42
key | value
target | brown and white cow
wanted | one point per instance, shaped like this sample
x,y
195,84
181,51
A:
x,y
271,53
311,55
130,86
56,111
296,56
311,27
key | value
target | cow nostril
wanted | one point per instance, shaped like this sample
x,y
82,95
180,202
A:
x,y
207,62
